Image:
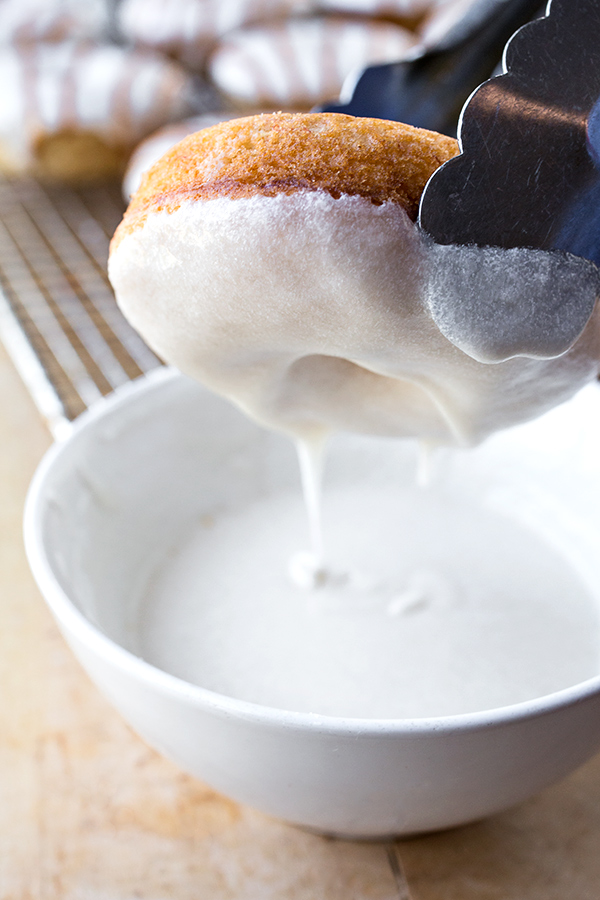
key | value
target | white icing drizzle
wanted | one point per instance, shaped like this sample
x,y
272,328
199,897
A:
x,y
311,455
54,96
425,462
308,570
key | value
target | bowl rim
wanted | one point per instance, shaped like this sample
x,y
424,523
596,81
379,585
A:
x,y
75,623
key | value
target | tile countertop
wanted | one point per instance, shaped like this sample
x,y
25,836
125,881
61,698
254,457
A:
x,y
87,811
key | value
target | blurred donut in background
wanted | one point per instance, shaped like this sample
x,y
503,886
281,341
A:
x,y
75,111
298,63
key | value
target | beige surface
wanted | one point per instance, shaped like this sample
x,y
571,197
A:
x,y
546,849
88,812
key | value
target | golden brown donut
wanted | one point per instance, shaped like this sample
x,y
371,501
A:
x,y
282,153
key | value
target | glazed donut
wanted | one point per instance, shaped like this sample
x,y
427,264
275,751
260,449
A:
x,y
297,63
276,259
188,29
74,111
27,21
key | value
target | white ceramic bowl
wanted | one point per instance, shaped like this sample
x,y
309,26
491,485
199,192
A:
x,y
140,466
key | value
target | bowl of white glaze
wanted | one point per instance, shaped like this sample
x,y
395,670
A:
x,y
449,670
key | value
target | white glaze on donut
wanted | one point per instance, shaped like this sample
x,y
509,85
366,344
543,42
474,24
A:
x,y
312,314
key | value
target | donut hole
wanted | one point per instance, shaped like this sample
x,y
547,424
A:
x,y
318,389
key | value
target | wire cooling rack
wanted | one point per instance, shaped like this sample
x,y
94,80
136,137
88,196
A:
x,y
58,316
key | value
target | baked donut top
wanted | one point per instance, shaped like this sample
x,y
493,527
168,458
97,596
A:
x,y
284,153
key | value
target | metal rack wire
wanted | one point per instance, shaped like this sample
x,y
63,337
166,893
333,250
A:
x,y
58,316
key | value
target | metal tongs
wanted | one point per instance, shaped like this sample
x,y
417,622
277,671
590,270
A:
x,y
527,179
528,176
529,171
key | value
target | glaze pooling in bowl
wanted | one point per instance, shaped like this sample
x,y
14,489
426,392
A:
x,y
432,607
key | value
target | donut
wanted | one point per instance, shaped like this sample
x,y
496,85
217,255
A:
x,y
74,111
27,21
277,259
298,63
188,29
